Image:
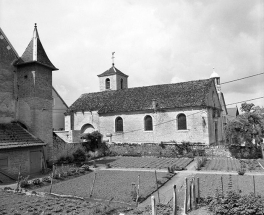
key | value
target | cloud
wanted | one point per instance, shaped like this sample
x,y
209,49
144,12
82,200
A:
x,y
156,42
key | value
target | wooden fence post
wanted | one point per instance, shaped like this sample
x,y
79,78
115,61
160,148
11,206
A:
x,y
52,174
138,189
153,205
157,185
222,184
194,195
174,200
190,193
18,178
93,185
198,190
254,185
186,196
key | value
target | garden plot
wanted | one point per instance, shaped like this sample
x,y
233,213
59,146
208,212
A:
x,y
110,185
232,164
145,162
209,183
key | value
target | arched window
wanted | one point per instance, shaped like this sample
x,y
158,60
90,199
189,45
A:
x,y
119,124
107,83
148,123
182,125
121,83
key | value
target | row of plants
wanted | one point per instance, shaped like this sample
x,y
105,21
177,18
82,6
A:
x,y
59,173
234,203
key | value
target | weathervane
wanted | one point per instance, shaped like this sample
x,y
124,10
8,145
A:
x,y
113,63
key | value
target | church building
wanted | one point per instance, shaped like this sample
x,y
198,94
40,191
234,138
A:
x,y
190,111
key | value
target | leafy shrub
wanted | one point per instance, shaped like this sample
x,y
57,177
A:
x,y
24,183
36,181
201,163
241,171
236,204
69,158
79,155
46,179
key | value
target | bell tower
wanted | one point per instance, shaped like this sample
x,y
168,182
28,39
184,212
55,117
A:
x,y
34,87
113,79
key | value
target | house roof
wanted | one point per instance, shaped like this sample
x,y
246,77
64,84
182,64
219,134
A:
x,y
112,71
12,135
35,53
60,97
179,95
8,42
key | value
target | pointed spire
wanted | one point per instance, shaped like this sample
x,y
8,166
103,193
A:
x,y
113,63
35,52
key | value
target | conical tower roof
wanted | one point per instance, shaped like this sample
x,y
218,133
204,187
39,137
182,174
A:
x,y
112,71
35,53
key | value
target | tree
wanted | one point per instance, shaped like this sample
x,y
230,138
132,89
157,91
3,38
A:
x,y
246,128
92,140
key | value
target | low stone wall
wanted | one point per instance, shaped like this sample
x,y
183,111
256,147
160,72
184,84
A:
x,y
62,148
153,149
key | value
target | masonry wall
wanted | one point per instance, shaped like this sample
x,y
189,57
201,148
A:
x,y
112,82
7,81
165,129
17,157
58,111
35,102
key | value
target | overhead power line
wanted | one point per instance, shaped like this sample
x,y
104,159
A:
x,y
242,78
186,116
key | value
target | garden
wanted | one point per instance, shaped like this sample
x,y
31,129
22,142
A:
x,y
231,164
114,186
144,162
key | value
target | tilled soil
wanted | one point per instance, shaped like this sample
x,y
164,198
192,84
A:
x,y
15,204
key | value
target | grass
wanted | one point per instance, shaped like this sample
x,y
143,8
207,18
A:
x,y
110,184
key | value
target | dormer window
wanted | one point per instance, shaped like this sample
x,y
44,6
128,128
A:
x,y
121,84
107,83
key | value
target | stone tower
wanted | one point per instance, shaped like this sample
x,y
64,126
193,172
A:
x,y
34,91
113,79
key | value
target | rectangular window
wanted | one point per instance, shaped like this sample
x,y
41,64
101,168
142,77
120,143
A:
x,y
3,161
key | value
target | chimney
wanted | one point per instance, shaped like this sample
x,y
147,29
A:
x,y
154,105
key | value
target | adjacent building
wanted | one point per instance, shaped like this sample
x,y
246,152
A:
x,y
26,137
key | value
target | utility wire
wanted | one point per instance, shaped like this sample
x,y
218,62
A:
x,y
186,116
242,78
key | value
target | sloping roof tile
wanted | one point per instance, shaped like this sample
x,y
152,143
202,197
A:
x,y
179,95
112,71
28,55
12,135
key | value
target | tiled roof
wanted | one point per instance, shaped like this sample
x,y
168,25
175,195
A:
x,y
167,96
112,71
40,54
12,135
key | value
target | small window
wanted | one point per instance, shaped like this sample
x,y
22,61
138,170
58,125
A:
x,y
119,124
53,99
107,83
148,123
182,125
3,161
121,83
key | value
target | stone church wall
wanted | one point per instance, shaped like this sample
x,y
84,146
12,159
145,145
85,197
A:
x,y
133,126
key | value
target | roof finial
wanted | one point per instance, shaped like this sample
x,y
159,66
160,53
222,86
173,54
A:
x,y
113,63
35,25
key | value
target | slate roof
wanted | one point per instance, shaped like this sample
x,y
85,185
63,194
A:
x,y
42,57
167,96
12,135
112,71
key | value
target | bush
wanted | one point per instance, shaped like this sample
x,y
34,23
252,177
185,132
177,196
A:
x,y
24,183
36,181
79,155
235,204
46,179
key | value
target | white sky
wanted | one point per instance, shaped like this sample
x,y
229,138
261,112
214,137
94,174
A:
x,y
156,42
